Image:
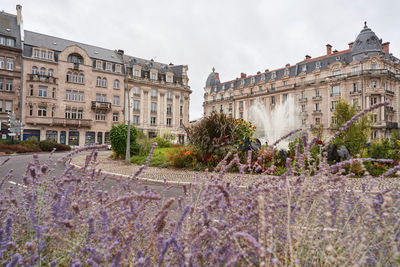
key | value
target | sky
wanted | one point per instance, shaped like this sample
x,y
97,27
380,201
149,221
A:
x,y
231,35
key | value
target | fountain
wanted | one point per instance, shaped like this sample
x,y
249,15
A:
x,y
282,119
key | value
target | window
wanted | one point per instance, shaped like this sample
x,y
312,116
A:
x,y
373,66
318,64
303,122
80,114
374,100
333,105
336,72
373,84
286,73
108,66
50,55
42,71
8,106
251,93
10,64
169,109
181,110
303,108
273,75
355,102
316,92
272,86
153,107
303,94
81,97
53,93
355,87
98,81
272,100
252,80
100,116
285,83
285,97
136,91
81,78
99,64
116,100
374,117
74,95
153,93
69,78
335,90
116,84
153,121
1,62
9,85
169,95
136,73
230,106
75,77
221,108
36,52
169,79
136,105
153,76
104,82
30,110
1,105
10,42
68,95
316,106
1,84
118,68
115,116
31,90
304,68
90,138
317,121
51,72
67,113
98,97
241,83
43,54
73,113
2,40
355,70
135,119
42,111
53,109
73,138
169,121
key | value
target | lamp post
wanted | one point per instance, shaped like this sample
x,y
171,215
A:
x,y
128,136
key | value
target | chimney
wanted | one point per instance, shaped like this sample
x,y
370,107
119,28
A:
x,y
19,15
266,70
385,47
217,75
120,52
351,45
258,72
243,75
308,57
335,51
328,49
287,65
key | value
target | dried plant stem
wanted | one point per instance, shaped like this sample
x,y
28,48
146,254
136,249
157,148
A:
x,y
261,229
288,214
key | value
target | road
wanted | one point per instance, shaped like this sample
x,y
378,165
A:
x,y
18,164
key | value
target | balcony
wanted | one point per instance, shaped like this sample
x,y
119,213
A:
x,y
97,105
389,92
153,112
335,95
303,113
136,110
317,98
41,78
58,121
303,99
389,109
317,112
169,113
392,125
76,66
354,93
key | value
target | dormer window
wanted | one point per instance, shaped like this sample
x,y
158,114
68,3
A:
x,y
318,65
336,72
10,42
263,77
43,54
242,82
75,58
273,75
286,72
118,68
50,55
223,87
169,78
232,85
154,76
36,52
108,66
304,68
99,65
252,80
136,73
373,66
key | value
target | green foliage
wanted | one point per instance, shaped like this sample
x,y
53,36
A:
x,y
379,149
31,142
161,142
217,134
375,168
118,136
47,145
355,136
292,146
182,157
159,158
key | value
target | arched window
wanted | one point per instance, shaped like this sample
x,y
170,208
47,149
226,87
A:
x,y
98,81
116,84
75,77
81,78
69,76
75,58
42,71
34,70
51,72
104,84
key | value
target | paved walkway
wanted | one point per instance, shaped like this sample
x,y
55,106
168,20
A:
x,y
118,169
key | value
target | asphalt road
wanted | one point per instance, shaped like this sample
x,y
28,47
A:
x,y
18,164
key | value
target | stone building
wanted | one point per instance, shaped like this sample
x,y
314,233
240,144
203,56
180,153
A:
x,y
10,68
74,93
364,74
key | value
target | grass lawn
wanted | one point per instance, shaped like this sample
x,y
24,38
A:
x,y
159,158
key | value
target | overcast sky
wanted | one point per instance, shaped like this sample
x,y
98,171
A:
x,y
232,36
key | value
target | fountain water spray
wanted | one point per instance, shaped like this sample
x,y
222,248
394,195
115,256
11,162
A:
x,y
272,125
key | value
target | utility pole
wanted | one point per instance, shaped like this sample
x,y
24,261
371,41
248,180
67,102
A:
x,y
128,135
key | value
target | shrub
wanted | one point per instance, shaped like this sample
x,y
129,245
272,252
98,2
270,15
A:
x,y
118,136
31,142
9,149
181,157
161,142
159,158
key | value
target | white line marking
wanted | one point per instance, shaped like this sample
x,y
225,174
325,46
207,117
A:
x,y
14,183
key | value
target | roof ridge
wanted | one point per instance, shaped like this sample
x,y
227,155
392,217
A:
x,y
6,13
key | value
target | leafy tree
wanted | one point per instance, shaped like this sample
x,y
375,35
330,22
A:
x,y
356,135
118,139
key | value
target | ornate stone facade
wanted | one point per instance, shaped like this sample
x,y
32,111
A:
x,y
364,74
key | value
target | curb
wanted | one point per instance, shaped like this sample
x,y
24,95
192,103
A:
x,y
147,180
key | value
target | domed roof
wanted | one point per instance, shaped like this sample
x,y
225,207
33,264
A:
x,y
366,42
213,79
